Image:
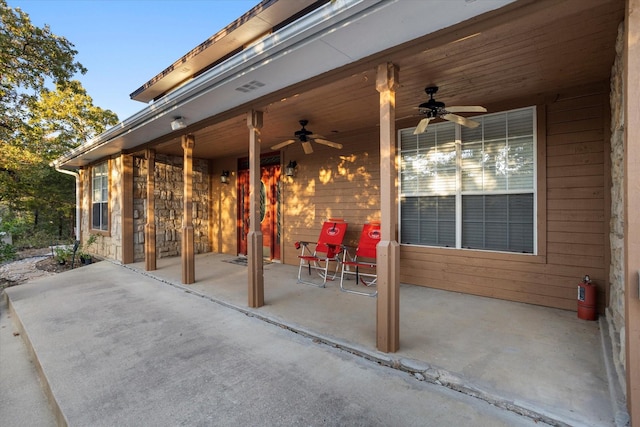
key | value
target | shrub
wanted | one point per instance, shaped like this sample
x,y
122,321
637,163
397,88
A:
x,y
63,254
83,249
7,252
38,239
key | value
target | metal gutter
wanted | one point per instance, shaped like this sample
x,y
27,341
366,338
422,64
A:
x,y
267,16
320,32
76,231
281,42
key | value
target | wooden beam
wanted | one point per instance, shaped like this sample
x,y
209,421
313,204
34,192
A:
x,y
388,250
632,207
188,257
150,226
254,237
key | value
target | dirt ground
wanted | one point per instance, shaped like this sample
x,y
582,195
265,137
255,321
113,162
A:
x,y
51,265
47,264
32,264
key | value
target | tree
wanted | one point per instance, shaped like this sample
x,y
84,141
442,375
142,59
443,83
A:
x,y
38,124
29,56
63,119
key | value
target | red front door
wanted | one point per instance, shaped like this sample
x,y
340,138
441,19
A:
x,y
269,208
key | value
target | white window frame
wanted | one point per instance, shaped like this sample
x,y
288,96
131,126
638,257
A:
x,y
459,193
104,225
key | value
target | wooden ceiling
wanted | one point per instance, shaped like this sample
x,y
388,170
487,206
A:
x,y
522,53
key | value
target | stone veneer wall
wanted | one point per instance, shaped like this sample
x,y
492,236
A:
x,y
139,206
107,245
169,196
615,311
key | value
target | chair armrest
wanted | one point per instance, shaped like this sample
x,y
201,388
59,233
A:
x,y
300,244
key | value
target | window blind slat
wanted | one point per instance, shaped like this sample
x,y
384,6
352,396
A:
x,y
496,157
428,220
519,123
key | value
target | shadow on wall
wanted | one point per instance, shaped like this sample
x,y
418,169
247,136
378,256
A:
x,y
340,186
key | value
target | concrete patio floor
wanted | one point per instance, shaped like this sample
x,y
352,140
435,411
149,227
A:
x,y
536,361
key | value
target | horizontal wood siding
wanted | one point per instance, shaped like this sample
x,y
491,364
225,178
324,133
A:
x,y
572,209
331,183
224,207
575,220
577,173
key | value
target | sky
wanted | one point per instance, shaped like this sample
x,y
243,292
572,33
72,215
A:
x,y
125,43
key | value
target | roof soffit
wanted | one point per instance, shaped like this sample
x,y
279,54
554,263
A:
x,y
252,25
333,40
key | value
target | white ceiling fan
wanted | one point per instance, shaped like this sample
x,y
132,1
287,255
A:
x,y
433,109
305,137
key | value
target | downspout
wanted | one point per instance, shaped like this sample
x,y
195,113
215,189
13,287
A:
x,y
77,176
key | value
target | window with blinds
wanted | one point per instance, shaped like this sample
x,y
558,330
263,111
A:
x,y
470,188
100,197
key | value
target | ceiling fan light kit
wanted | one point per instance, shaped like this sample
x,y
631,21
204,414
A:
x,y
305,137
433,109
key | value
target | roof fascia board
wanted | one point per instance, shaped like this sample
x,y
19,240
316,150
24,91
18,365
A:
x,y
329,19
266,15
283,39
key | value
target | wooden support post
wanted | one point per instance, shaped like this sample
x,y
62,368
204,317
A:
x,y
254,237
127,208
632,207
150,226
188,257
388,250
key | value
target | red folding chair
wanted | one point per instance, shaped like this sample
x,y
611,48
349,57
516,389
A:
x,y
362,266
326,253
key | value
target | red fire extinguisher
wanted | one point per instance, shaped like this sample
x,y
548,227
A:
x,y
586,299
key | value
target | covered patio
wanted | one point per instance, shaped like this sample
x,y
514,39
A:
x,y
358,89
541,362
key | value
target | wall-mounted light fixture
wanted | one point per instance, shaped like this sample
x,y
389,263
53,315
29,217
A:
x,y
224,177
178,123
290,169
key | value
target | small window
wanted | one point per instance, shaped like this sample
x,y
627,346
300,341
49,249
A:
x,y
100,197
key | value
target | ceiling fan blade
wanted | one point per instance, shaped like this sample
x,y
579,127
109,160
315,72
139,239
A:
x,y
283,144
466,109
328,143
306,146
422,126
461,120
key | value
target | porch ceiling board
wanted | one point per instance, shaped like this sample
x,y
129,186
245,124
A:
x,y
535,49
514,60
